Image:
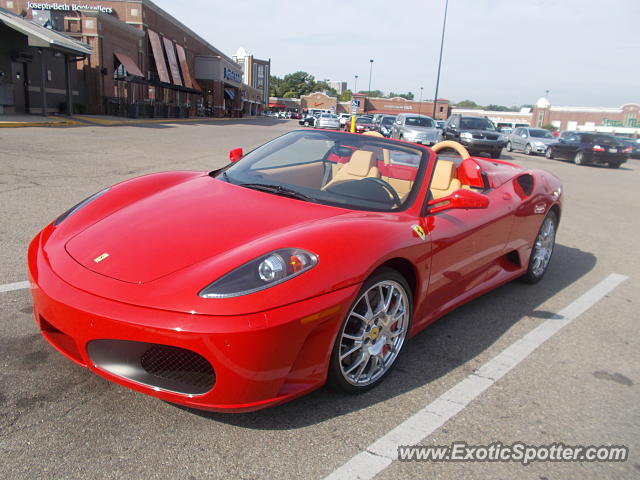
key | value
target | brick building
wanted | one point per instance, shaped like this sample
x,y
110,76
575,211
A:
x,y
143,62
624,119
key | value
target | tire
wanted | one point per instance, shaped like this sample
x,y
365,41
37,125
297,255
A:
x,y
496,154
542,249
614,165
527,149
306,124
509,147
369,343
549,153
579,158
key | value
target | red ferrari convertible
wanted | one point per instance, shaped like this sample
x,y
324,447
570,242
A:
x,y
310,260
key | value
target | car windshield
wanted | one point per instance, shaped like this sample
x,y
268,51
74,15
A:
x,y
540,133
595,138
387,120
340,169
366,120
476,124
419,122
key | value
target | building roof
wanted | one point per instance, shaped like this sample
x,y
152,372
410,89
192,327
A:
x,y
39,36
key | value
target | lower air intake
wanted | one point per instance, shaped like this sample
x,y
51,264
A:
x,y
167,367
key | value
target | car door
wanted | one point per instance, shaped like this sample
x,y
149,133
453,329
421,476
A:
x,y
514,138
465,244
395,131
567,147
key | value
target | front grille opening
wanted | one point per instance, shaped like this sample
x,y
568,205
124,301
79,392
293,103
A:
x,y
60,340
178,364
163,366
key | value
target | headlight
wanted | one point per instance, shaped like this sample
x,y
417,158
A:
x,y
502,138
77,207
466,135
538,144
263,272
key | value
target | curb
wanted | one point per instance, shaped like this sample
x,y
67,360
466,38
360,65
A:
x,y
101,121
57,123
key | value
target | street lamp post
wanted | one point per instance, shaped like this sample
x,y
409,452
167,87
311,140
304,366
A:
x,y
355,85
444,24
420,102
369,91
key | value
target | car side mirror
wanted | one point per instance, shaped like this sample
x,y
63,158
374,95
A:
x,y
235,155
462,198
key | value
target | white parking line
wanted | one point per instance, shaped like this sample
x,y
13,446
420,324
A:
x,y
381,453
9,287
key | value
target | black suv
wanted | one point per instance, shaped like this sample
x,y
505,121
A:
x,y
477,134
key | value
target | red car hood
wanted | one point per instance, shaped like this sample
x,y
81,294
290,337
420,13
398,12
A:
x,y
185,224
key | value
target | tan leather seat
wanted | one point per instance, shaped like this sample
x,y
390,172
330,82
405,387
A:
x,y
444,180
361,165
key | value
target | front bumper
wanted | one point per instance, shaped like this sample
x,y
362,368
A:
x,y
233,363
480,145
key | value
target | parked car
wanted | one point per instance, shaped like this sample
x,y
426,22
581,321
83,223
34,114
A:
x,y
416,128
477,134
328,120
344,118
364,123
296,116
308,121
299,277
440,124
530,140
632,143
589,148
385,125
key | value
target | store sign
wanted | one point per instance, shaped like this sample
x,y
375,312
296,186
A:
x,y
232,75
69,7
399,107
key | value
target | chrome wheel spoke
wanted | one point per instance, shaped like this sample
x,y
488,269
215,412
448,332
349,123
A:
x,y
356,346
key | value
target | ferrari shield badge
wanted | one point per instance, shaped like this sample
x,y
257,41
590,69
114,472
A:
x,y
99,258
419,231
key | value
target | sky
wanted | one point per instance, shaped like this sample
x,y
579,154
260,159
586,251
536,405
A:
x,y
505,52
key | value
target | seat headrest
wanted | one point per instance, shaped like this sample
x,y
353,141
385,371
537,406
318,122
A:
x,y
445,171
360,163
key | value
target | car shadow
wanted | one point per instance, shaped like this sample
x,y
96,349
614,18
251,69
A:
x,y
447,344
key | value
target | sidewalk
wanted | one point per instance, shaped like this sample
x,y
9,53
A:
x,y
25,120
10,120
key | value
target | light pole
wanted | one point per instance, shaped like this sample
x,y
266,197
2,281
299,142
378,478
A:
x,y
355,85
369,91
420,102
444,24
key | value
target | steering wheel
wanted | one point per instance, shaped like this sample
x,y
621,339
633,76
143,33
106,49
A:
x,y
464,154
387,187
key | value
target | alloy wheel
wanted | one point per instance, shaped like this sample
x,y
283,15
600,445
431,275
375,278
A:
x,y
373,333
543,246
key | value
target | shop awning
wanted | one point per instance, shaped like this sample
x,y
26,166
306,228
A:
x,y
196,85
173,62
129,65
39,36
277,105
158,56
229,93
184,66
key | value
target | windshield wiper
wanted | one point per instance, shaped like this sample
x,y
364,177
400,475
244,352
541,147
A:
x,y
277,190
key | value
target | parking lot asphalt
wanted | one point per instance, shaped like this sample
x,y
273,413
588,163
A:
x,y
580,387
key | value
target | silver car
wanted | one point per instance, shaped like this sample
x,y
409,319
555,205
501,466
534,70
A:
x,y
416,129
328,120
530,140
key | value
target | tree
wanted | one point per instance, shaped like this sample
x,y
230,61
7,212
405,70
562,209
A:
x,y
372,93
407,96
467,104
345,96
550,127
324,87
289,94
498,108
